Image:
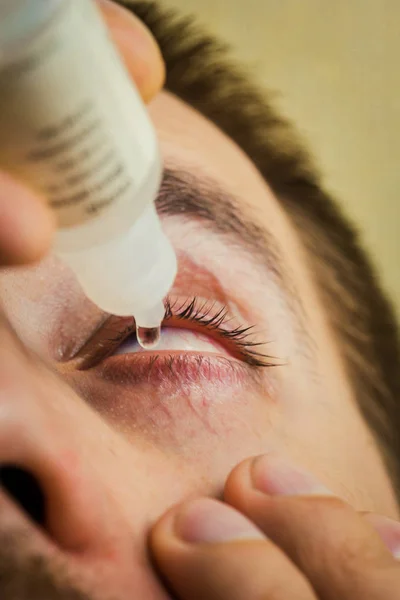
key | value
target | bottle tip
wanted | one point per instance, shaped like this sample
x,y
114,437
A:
x,y
148,337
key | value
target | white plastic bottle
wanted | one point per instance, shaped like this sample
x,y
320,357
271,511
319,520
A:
x,y
73,127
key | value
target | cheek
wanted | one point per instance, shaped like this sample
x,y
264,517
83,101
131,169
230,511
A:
x,y
203,434
191,420
330,439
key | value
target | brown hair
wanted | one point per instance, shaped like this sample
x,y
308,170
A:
x,y
200,72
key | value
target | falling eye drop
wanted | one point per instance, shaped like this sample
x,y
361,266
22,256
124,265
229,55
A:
x,y
73,127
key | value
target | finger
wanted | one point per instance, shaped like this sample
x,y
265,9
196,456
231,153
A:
x,y
207,550
26,224
388,530
137,46
334,546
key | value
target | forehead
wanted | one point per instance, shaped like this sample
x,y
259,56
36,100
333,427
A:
x,y
190,140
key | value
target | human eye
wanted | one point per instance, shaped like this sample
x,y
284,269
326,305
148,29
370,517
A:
x,y
194,330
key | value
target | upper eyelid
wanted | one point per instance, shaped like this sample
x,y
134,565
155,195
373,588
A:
x,y
210,315
198,309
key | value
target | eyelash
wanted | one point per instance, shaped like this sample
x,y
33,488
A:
x,y
208,316
216,320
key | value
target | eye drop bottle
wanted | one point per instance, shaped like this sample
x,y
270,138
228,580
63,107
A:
x,y
73,127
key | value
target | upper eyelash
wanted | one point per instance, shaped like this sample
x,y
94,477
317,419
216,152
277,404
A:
x,y
199,311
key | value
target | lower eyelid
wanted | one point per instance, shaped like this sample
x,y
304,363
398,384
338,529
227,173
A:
x,y
163,370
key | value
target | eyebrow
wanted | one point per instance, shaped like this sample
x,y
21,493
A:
x,y
183,193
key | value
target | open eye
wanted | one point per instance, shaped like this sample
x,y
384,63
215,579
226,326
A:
x,y
175,339
193,325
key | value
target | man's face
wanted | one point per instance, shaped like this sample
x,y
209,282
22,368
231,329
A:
x,y
149,429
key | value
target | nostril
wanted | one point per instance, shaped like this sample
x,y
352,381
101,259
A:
x,y
25,490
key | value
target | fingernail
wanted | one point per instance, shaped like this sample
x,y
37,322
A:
x,y
209,521
388,530
276,476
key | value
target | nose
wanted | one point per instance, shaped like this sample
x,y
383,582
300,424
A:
x,y
41,473
55,494
25,490
42,466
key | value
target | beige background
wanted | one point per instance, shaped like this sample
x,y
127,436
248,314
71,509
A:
x,y
336,66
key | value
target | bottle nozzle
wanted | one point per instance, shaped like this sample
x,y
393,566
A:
x,y
148,337
148,326
131,275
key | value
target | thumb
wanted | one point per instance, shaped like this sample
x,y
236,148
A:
x,y
206,549
389,531
26,224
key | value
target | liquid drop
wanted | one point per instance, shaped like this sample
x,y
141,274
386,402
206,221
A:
x,y
148,337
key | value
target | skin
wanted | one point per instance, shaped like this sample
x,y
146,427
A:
x,y
112,458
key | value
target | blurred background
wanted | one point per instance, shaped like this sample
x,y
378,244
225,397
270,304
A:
x,y
335,66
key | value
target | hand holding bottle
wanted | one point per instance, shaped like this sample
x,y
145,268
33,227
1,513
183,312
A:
x,y
26,224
